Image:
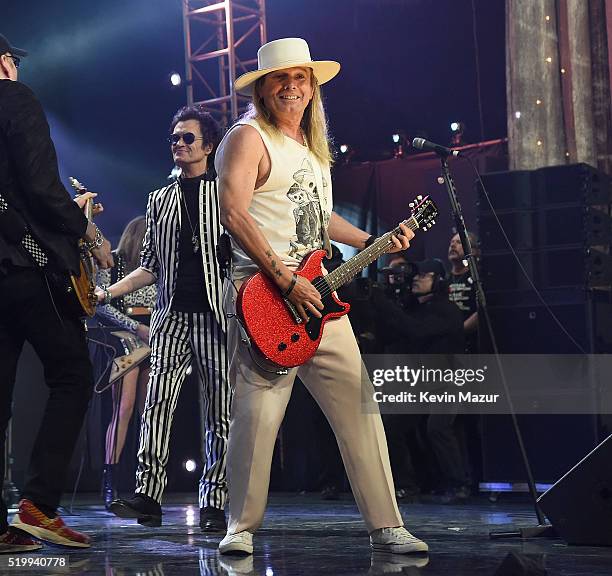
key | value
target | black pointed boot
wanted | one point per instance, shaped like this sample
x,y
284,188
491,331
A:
x,y
109,487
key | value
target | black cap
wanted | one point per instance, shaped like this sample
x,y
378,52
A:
x,y
436,266
5,46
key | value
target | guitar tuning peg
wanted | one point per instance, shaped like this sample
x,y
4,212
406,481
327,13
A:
x,y
429,225
433,221
419,197
411,204
424,228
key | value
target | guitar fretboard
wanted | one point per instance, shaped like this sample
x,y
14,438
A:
x,y
357,263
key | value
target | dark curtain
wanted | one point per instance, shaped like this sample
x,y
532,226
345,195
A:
x,y
381,192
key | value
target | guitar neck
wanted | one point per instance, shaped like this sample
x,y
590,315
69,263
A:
x,y
80,189
89,210
357,263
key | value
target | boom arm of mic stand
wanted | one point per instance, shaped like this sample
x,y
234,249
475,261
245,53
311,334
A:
x,y
482,307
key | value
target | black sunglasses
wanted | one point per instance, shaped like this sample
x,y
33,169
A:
x,y
16,60
188,138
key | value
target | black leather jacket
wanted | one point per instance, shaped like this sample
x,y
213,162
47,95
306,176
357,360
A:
x,y
30,184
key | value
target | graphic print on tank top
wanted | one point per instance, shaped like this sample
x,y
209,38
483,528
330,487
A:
x,y
307,212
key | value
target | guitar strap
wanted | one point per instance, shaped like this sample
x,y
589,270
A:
x,y
16,231
325,241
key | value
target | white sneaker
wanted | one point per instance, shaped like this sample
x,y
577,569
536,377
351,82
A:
x,y
241,542
397,541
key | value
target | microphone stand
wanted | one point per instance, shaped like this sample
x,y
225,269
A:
x,y
542,529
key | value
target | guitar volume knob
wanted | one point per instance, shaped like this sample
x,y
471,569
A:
x,y
282,346
295,337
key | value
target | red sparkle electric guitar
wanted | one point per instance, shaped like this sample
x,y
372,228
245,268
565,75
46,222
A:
x,y
272,323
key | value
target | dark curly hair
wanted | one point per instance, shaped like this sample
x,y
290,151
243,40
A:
x,y
211,132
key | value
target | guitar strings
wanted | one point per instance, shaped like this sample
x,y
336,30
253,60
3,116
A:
x,y
347,270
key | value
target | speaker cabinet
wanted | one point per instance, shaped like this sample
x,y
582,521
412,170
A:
x,y
579,504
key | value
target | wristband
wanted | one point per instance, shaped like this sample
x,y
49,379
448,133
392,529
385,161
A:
x,y
369,242
291,286
107,296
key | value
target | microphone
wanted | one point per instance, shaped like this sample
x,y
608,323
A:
x,y
423,144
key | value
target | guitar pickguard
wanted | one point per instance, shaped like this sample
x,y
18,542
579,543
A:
x,y
315,325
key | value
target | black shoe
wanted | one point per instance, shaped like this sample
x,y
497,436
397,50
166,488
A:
x,y
109,490
330,493
409,494
146,510
212,520
459,495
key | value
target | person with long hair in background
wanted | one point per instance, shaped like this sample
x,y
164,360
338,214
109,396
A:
x,y
130,312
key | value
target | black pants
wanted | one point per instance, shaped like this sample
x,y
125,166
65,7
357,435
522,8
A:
x,y
443,440
27,313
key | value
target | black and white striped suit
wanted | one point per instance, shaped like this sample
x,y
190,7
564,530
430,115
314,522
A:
x,y
181,339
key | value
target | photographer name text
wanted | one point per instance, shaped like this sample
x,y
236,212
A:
x,y
425,397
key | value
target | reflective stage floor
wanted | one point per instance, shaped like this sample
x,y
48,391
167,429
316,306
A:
x,y
304,535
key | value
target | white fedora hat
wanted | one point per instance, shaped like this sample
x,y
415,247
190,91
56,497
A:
x,y
285,53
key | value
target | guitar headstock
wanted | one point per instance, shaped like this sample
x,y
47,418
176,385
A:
x,y
424,212
79,188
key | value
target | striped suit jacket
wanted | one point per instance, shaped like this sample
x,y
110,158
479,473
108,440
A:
x,y
160,248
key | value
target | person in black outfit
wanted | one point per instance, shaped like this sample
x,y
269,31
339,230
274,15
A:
x,y
40,227
461,289
424,322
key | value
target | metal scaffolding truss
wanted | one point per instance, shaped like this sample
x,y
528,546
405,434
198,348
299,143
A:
x,y
221,43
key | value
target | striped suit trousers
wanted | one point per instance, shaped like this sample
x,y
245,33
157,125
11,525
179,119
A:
x,y
186,339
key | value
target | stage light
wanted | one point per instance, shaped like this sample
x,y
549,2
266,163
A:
x,y
457,131
175,79
399,141
517,114
346,153
269,571
190,465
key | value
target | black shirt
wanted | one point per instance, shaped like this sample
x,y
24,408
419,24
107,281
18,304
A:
x,y
432,327
190,292
462,292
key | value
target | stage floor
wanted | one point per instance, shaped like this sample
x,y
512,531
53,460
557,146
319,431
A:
x,y
304,535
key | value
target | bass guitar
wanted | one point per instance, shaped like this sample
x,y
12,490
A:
x,y
272,324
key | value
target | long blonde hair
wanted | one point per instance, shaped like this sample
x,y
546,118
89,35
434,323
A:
x,y
130,243
314,121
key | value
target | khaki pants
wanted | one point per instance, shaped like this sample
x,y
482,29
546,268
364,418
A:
x,y
333,377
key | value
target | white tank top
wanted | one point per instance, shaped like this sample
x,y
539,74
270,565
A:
x,y
289,207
